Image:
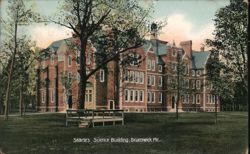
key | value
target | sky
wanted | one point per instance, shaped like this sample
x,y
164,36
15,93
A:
x,y
186,20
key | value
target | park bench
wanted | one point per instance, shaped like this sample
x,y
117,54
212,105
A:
x,y
84,118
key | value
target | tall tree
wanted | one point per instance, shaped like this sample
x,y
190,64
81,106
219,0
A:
x,y
229,48
18,15
103,22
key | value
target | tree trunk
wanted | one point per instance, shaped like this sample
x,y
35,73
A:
x,y
117,83
6,112
83,76
215,110
21,98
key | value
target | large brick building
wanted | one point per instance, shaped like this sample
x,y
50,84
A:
x,y
147,86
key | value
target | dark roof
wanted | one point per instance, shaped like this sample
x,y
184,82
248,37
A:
x,y
162,48
199,59
55,45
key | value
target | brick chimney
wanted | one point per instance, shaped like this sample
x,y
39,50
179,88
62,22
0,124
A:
x,y
187,47
202,48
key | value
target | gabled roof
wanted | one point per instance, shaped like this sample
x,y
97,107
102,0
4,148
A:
x,y
199,59
158,46
55,45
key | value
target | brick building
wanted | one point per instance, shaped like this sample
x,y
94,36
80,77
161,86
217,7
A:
x,y
146,86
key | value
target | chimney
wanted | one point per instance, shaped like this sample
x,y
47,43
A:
x,y
187,47
202,48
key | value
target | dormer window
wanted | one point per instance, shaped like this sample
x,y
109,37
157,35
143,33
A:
x,y
102,75
160,68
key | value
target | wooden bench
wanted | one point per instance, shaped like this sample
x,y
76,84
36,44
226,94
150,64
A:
x,y
87,117
78,116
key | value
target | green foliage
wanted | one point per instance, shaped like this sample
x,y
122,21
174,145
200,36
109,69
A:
x,y
228,64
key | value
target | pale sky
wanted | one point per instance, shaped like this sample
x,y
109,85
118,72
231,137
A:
x,y
186,20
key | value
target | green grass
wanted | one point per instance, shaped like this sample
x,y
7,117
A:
x,y
193,133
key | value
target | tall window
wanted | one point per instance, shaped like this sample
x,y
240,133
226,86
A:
x,y
126,75
141,96
136,96
174,53
197,98
52,96
149,80
193,98
198,84
193,72
160,81
141,77
149,97
137,74
126,95
160,68
69,60
152,97
43,95
160,97
153,80
102,75
132,76
131,95
88,96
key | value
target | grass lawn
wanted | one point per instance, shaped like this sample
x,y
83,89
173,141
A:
x,y
193,133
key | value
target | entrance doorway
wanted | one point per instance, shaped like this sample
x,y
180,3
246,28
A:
x,y
111,104
173,102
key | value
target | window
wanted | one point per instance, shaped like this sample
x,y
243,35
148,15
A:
x,y
52,59
193,84
152,97
198,72
197,98
193,72
136,96
160,97
193,99
149,80
153,80
198,84
153,65
149,97
126,95
102,75
126,75
160,68
160,81
186,83
131,77
186,98
43,96
141,77
137,74
69,60
88,96
131,95
141,96
149,64
52,96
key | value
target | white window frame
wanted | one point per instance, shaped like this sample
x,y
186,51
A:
x,y
52,95
153,96
149,97
126,76
141,95
152,80
193,72
132,76
160,81
193,98
160,68
198,99
126,91
149,79
141,77
198,84
43,96
131,95
136,95
102,75
160,97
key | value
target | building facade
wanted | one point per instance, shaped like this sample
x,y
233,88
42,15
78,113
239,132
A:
x,y
153,84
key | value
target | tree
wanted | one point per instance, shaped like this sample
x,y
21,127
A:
x,y
229,50
106,23
18,15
